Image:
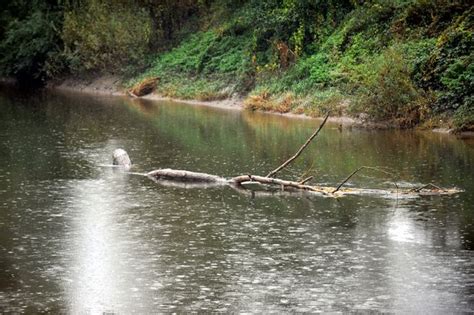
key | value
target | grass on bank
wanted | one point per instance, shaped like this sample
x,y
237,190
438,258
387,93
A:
x,y
206,66
391,62
403,61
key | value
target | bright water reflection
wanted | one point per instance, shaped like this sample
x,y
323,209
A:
x,y
79,238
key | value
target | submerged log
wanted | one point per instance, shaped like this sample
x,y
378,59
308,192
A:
x,y
120,157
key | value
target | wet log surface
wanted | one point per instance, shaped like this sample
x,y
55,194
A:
x,y
185,176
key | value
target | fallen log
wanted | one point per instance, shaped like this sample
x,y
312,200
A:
x,y
282,184
186,179
185,176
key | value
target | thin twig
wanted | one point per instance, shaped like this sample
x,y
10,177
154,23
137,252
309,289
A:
x,y
358,170
307,172
426,186
347,178
304,181
291,159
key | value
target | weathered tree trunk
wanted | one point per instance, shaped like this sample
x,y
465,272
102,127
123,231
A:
x,y
241,183
185,176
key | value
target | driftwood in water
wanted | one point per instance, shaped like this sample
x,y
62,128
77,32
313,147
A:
x,y
357,171
187,179
185,176
120,157
145,87
284,185
180,178
194,177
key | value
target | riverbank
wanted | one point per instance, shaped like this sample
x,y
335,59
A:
x,y
113,86
403,64
110,85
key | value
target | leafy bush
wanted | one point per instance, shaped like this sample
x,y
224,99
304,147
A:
x,y
106,35
464,116
432,16
28,44
449,70
205,53
390,94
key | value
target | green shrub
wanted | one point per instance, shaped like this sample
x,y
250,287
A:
x,y
205,53
432,16
28,44
106,35
390,94
464,116
449,66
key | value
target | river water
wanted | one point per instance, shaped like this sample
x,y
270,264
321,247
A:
x,y
82,238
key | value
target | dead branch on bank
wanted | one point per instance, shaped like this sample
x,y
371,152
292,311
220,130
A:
x,y
143,88
241,182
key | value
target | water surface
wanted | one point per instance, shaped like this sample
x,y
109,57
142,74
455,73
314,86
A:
x,y
79,238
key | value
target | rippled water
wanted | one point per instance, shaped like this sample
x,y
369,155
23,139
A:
x,y
78,237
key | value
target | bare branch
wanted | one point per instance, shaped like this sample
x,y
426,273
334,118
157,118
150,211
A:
x,y
284,184
418,189
291,159
307,179
347,178
357,171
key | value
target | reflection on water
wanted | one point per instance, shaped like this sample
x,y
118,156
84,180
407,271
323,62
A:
x,y
78,238
100,248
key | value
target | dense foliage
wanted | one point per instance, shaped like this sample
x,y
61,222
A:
x,y
105,35
405,61
30,39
